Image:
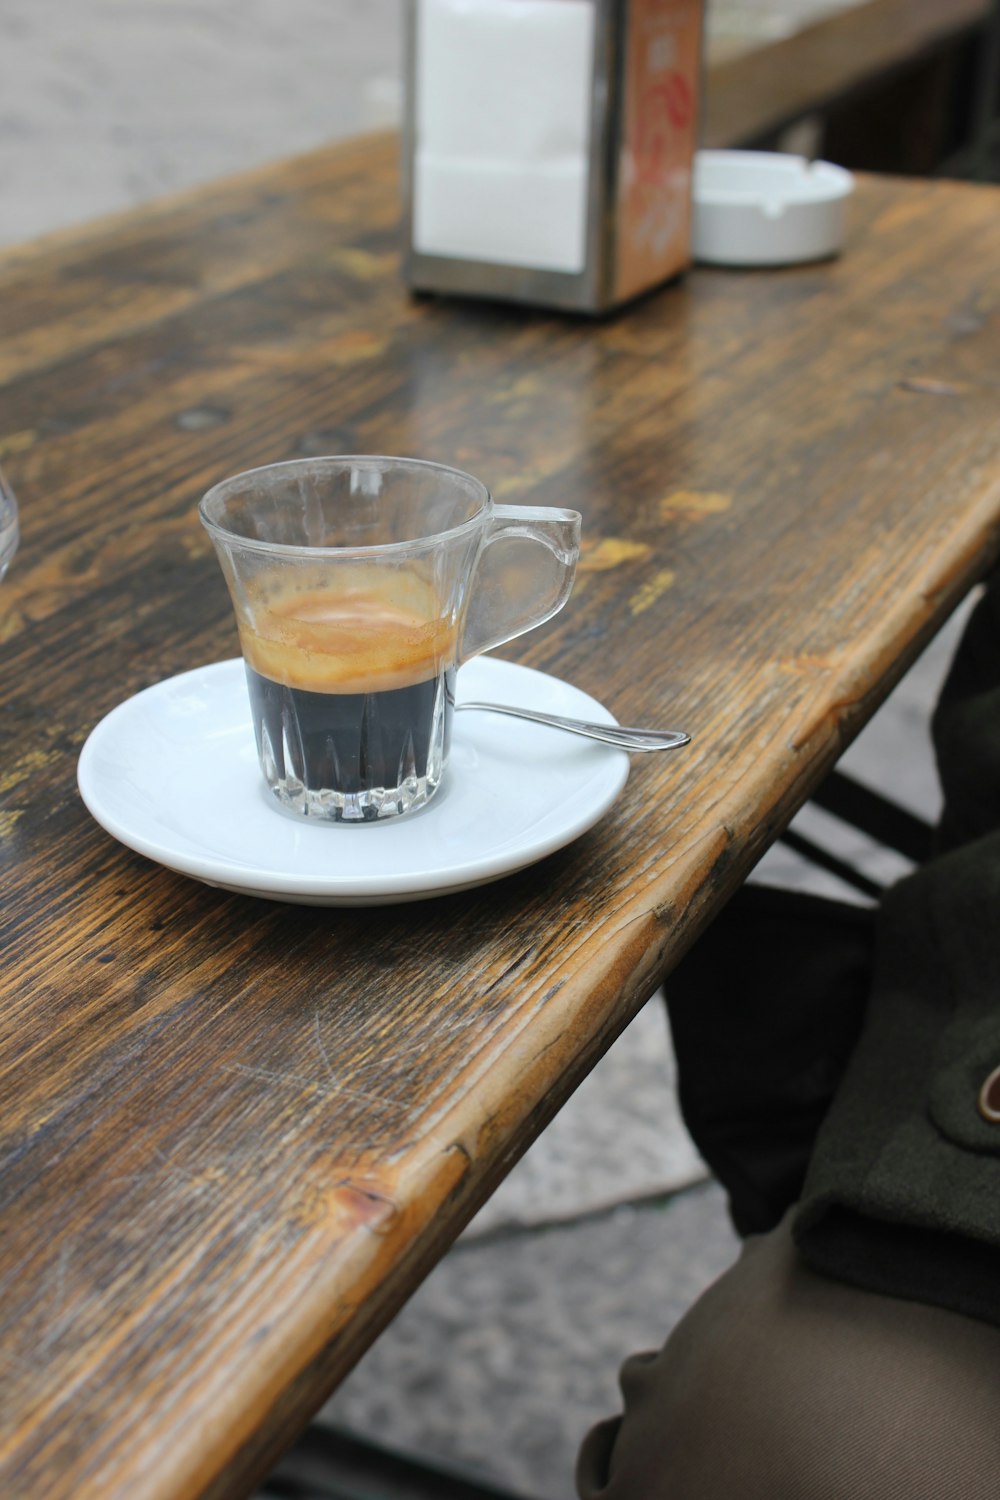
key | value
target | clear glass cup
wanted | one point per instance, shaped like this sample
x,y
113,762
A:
x,y
360,585
9,533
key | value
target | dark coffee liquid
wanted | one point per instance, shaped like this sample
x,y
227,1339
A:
x,y
353,742
352,690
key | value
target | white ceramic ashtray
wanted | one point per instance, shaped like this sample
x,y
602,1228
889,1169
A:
x,y
763,208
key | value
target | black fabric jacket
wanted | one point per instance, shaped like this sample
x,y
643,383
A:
x,y
836,1056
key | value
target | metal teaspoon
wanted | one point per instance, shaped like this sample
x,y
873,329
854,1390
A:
x,y
608,734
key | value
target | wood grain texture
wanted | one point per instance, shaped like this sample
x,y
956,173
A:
x,y
235,1134
759,93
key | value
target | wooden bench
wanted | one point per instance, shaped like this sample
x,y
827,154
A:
x,y
897,85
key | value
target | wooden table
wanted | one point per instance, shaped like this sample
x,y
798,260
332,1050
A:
x,y
235,1134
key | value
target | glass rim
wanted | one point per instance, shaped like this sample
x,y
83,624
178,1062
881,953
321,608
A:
x,y
343,460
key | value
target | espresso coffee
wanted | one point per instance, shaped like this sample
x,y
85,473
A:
x,y
352,695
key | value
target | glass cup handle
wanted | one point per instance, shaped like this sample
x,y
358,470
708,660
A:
x,y
8,524
523,576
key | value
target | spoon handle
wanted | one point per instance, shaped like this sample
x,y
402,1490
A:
x,y
608,734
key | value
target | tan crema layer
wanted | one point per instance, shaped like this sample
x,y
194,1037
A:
x,y
347,640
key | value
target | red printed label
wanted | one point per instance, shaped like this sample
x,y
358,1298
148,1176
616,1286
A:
x,y
653,221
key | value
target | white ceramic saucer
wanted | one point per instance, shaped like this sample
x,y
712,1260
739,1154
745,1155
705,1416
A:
x,y
173,774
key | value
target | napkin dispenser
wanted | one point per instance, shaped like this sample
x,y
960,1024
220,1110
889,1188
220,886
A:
x,y
548,147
